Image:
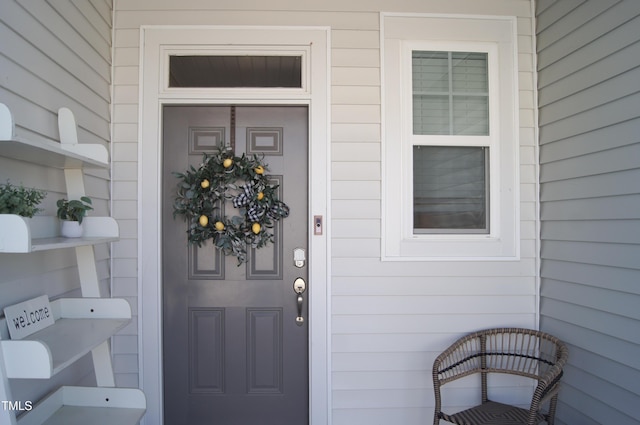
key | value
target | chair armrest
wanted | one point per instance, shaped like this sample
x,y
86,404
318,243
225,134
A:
x,y
461,359
548,386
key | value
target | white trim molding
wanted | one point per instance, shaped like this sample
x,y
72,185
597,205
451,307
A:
x,y
497,36
312,43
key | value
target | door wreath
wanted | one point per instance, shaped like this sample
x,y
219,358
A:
x,y
223,176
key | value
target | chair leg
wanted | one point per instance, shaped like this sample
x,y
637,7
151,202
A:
x,y
552,410
437,407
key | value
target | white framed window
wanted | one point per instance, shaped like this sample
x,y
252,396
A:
x,y
450,134
450,138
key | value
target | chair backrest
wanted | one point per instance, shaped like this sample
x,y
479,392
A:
x,y
518,351
525,352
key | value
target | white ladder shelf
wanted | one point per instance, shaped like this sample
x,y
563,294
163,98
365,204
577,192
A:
x,y
82,325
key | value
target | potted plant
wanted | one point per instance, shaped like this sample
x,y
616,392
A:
x,y
20,200
71,214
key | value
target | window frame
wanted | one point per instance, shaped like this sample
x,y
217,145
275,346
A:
x,y
402,34
489,141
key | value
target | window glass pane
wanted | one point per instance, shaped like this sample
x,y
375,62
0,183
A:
x,y
470,115
431,72
235,71
450,93
450,189
469,72
431,114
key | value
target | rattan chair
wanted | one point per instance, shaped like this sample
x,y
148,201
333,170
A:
x,y
515,351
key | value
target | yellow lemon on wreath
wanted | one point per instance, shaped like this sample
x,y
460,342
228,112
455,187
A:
x,y
259,169
227,163
255,228
260,196
219,226
203,220
205,184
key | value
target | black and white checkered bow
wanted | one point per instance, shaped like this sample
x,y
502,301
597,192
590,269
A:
x,y
245,197
278,210
257,210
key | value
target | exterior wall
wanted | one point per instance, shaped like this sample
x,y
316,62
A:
x,y
389,319
588,58
54,54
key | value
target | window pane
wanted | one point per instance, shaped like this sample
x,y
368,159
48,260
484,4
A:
x,y
431,72
235,71
450,189
469,72
470,115
431,115
450,93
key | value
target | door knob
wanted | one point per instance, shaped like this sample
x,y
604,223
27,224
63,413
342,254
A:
x,y
299,286
300,319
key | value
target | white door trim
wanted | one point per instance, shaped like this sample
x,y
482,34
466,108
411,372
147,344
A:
x,y
155,41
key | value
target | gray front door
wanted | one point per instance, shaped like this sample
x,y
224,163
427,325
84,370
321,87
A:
x,y
233,352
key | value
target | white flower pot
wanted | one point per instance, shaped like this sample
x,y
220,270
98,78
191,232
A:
x,y
71,229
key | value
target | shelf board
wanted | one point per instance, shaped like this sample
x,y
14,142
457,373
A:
x,y
81,324
88,405
55,155
45,244
40,233
66,154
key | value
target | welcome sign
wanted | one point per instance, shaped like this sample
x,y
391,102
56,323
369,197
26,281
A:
x,y
29,317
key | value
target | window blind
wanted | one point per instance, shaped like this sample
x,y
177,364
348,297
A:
x,y
450,93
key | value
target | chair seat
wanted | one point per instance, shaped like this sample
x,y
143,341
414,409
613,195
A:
x,y
491,413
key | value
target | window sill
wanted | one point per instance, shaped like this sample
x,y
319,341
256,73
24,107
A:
x,y
451,248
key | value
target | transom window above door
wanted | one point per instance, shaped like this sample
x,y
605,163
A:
x,y
235,71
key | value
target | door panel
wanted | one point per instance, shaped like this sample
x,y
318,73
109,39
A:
x,y
233,352
206,356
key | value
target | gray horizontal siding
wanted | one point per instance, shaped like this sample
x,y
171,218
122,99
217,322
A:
x,y
46,64
589,99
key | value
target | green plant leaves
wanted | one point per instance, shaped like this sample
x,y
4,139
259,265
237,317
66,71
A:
x,y
20,200
73,210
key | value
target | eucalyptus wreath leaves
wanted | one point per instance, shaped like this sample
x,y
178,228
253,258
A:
x,y
224,177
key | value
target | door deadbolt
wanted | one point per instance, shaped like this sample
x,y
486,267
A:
x,y
299,286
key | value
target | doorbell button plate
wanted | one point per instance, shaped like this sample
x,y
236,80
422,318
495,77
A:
x,y
317,225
